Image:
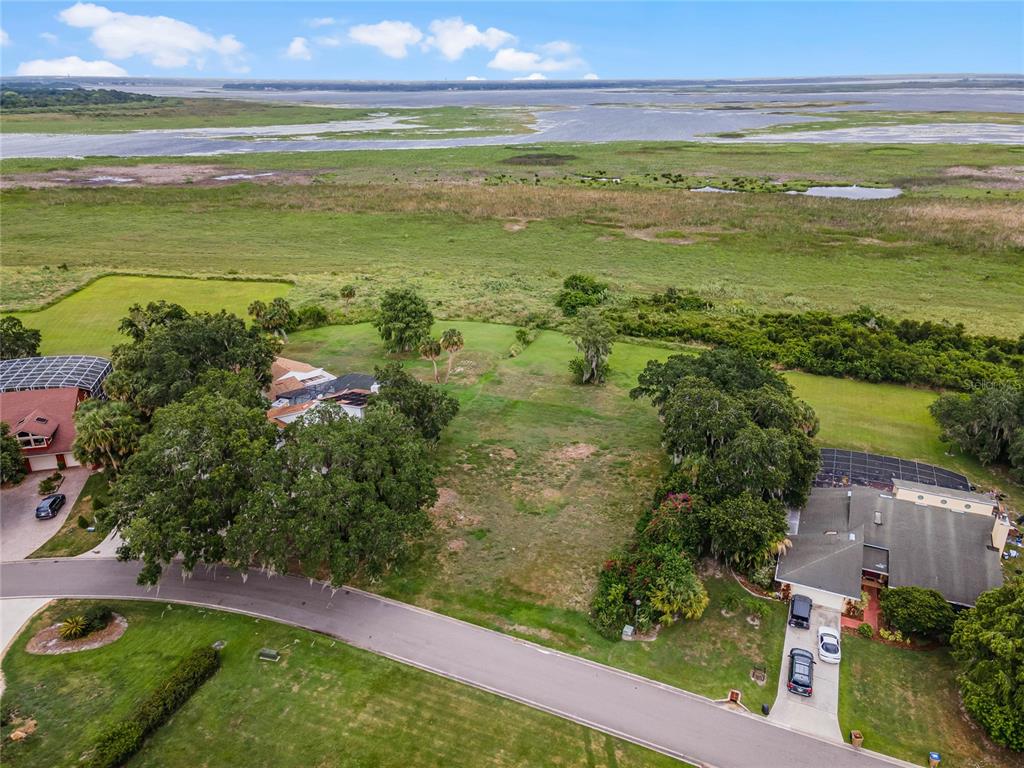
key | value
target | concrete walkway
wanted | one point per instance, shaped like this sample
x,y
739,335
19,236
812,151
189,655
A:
x,y
643,711
14,614
818,714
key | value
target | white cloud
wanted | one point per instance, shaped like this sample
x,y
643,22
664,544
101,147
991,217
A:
x,y
327,41
49,37
534,76
70,65
556,60
165,42
391,38
558,48
5,39
474,77
591,76
323,21
453,37
298,49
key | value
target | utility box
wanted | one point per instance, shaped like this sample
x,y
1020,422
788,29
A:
x,y
628,632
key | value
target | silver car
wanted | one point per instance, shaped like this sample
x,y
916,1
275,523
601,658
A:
x,y
828,645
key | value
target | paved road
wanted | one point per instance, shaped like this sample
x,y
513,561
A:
x,y
658,716
819,714
20,533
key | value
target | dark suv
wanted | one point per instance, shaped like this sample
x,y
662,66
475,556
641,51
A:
x,y
50,506
801,672
800,612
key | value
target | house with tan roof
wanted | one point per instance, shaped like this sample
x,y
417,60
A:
x,y
289,375
297,387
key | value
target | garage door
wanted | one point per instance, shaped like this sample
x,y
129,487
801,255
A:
x,y
38,463
71,461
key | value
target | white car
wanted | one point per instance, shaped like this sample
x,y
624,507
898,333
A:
x,y
828,645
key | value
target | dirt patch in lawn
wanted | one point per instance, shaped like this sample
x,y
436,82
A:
x,y
539,158
574,452
153,174
48,642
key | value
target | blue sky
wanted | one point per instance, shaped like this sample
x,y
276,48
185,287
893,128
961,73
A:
x,y
502,41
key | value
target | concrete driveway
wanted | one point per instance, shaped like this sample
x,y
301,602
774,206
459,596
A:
x,y
20,533
819,714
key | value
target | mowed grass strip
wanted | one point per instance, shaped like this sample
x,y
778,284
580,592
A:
x,y
906,703
322,703
85,323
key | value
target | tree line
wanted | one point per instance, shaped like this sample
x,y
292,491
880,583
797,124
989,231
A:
x,y
863,344
740,449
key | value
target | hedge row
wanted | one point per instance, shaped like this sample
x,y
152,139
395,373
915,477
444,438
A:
x,y
122,740
863,344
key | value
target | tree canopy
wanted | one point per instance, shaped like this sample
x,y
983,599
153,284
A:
x,y
404,320
12,463
988,423
191,477
171,349
988,643
579,292
107,433
16,340
593,338
428,409
340,495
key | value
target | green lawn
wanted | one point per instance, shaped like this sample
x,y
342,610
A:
x,y
892,420
906,704
86,321
324,703
72,539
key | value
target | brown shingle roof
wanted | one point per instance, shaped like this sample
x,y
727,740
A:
x,y
57,406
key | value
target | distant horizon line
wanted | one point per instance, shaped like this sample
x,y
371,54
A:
x,y
593,82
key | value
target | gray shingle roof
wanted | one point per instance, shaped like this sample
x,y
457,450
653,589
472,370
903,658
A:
x,y
939,549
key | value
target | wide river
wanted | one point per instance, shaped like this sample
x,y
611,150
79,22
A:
x,y
652,113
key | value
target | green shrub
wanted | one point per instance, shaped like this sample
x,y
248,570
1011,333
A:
x,y
72,628
123,739
764,576
579,291
50,484
83,523
755,607
918,611
311,316
97,618
731,602
865,630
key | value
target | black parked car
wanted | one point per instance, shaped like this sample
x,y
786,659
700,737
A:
x,y
50,506
800,612
801,672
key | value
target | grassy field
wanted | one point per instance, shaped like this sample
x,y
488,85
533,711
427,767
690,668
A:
x,y
541,480
86,321
72,539
856,118
906,704
491,253
172,113
322,699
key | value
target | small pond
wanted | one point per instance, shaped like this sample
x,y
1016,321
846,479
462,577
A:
x,y
852,193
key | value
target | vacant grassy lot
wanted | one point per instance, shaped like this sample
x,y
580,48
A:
x,y
86,321
907,704
323,703
171,113
494,253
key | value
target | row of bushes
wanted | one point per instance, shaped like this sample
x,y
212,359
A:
x,y
863,344
122,740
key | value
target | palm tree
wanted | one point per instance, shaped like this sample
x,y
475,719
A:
x,y
106,433
431,350
452,343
